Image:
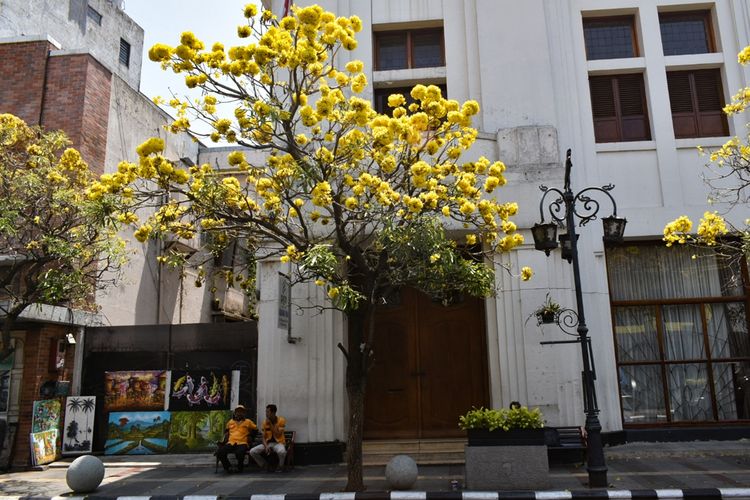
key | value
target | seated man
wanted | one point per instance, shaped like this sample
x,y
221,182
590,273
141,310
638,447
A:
x,y
273,439
236,438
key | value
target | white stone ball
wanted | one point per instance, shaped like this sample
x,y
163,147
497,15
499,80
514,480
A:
x,y
85,474
401,472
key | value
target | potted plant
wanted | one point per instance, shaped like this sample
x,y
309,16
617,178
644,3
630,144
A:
x,y
505,449
547,312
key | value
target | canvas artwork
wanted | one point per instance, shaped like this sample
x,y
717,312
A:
x,y
135,390
137,433
197,431
200,390
78,431
44,447
45,415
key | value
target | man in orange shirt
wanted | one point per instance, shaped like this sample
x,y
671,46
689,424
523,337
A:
x,y
236,439
273,439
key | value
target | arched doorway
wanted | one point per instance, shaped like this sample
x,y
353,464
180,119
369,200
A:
x,y
430,366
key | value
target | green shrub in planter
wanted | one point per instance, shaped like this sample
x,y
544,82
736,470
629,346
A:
x,y
516,418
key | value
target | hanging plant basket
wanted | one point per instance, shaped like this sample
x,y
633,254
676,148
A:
x,y
546,317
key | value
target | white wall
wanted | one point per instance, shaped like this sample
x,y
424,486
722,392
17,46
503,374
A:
x,y
525,63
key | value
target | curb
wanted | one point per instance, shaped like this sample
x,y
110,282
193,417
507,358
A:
x,y
667,494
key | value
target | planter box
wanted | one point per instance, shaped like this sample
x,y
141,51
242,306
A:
x,y
499,437
500,460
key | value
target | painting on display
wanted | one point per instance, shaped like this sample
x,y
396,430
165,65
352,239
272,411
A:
x,y
137,433
45,415
135,390
197,431
196,390
44,447
78,431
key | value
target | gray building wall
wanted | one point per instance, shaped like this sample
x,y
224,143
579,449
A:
x,y
69,24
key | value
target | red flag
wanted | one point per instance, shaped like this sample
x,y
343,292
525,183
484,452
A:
x,y
287,4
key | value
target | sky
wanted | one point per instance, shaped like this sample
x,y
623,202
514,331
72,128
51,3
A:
x,y
164,20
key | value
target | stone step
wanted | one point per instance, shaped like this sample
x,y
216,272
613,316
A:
x,y
424,451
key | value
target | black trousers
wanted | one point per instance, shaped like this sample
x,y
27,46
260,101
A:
x,y
239,451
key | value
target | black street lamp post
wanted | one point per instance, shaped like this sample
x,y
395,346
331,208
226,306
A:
x,y
563,211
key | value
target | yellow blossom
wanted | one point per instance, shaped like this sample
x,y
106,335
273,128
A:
x,y
526,273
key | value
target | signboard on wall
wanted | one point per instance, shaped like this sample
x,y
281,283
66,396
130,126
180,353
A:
x,y
285,301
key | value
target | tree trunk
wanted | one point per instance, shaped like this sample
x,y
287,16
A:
x,y
356,378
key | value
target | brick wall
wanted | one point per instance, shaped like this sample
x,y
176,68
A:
x,y
77,101
23,68
37,370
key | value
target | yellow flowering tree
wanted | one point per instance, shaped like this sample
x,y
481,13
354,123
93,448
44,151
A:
x,y
730,184
357,200
57,244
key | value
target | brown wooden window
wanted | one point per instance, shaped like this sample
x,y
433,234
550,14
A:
x,y
381,97
686,33
618,104
405,49
697,99
610,38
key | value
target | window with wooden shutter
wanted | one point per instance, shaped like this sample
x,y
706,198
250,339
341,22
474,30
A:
x,y
404,49
618,106
696,99
381,97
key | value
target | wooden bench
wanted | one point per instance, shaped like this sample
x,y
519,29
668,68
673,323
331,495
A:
x,y
256,439
564,443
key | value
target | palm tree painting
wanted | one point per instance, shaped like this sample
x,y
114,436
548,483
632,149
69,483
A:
x,y
78,433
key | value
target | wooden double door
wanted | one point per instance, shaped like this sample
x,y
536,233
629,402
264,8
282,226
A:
x,y
430,367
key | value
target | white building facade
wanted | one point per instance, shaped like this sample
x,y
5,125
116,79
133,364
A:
x,y
632,87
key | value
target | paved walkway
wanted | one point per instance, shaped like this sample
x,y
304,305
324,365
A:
x,y
632,467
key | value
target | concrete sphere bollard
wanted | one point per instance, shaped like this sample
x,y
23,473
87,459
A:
x,y
401,472
85,474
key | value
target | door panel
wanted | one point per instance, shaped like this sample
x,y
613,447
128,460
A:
x,y
429,367
391,400
451,342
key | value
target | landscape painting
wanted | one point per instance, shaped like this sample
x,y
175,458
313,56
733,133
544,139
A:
x,y
200,390
45,415
197,431
44,447
135,390
78,430
137,433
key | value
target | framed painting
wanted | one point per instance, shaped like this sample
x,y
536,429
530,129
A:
x,y
45,415
137,433
197,431
43,447
135,390
78,432
200,390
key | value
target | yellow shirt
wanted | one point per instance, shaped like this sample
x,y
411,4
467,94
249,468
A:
x,y
240,431
274,432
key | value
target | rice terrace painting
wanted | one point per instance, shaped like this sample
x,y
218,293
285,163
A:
x,y
78,430
197,431
137,433
135,390
200,390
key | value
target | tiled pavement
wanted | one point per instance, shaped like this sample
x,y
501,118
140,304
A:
x,y
632,467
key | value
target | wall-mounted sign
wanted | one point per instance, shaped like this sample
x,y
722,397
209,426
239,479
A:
x,y
285,301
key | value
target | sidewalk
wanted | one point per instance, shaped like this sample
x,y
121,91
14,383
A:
x,y
635,470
